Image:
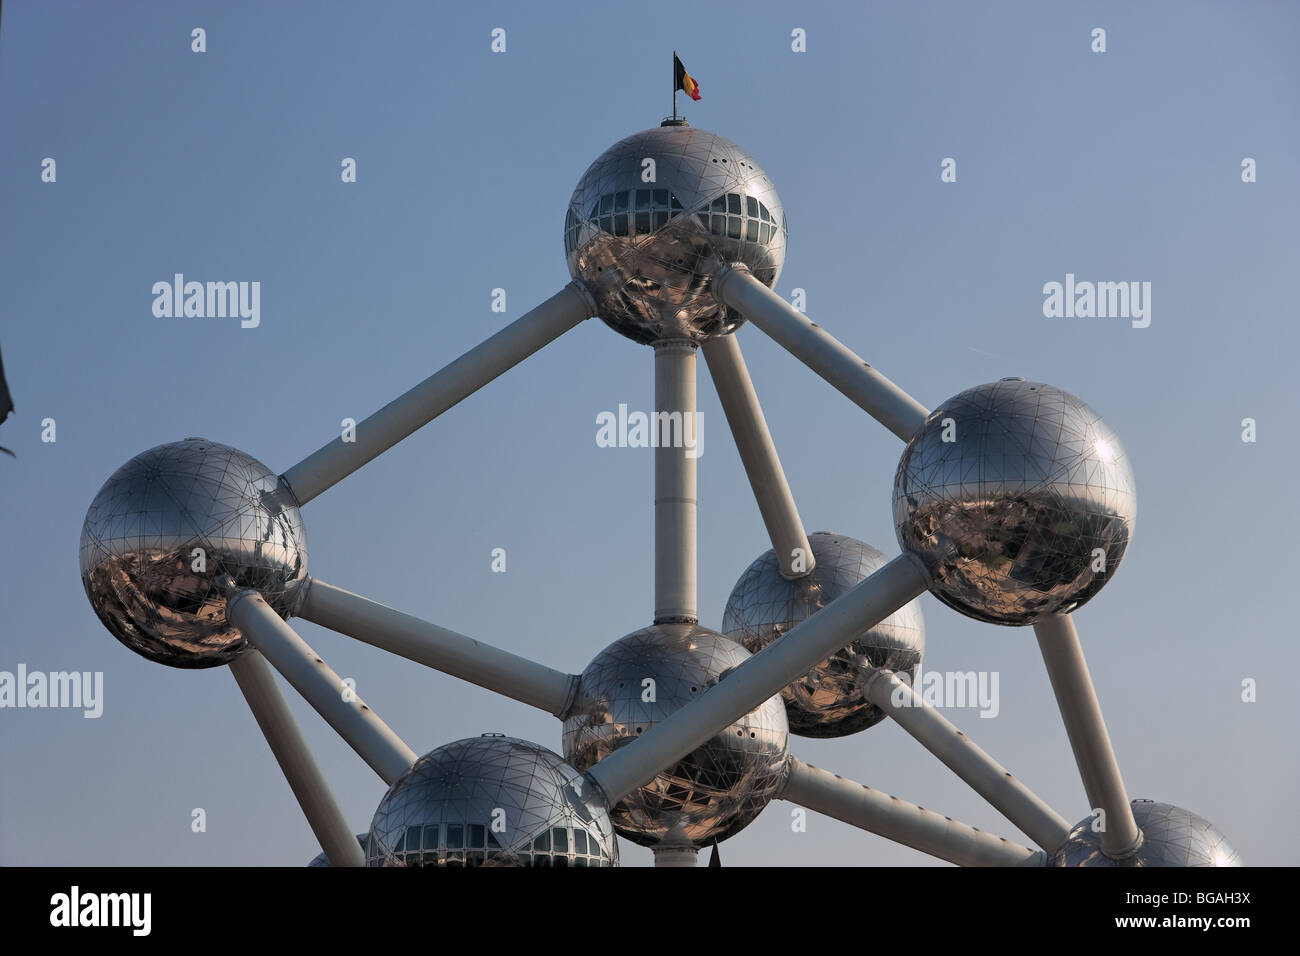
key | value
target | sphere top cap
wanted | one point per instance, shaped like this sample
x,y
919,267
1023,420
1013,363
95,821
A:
x,y
491,800
656,216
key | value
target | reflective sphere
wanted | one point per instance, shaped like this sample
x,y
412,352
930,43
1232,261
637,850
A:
x,y
1171,836
830,700
491,801
647,251
716,790
320,859
1026,511
166,526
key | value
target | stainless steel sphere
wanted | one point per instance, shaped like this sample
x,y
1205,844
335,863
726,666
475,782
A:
x,y
716,790
1018,498
320,859
647,251
830,700
166,526
494,801
1171,836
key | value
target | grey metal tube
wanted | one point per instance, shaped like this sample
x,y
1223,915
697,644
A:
x,y
436,647
676,850
675,497
412,410
758,454
676,856
255,680
985,775
820,351
761,676
1084,725
372,739
898,820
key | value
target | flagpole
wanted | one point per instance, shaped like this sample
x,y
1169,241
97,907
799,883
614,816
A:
x,y
674,85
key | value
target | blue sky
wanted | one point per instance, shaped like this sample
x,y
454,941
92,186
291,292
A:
x,y
225,165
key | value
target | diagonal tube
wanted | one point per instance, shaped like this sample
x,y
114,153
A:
x,y
880,398
372,739
758,454
436,647
330,464
898,820
985,775
1081,713
287,743
760,677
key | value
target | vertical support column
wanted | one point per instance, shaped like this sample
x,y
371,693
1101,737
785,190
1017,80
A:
x,y
282,733
675,850
677,857
675,435
1084,725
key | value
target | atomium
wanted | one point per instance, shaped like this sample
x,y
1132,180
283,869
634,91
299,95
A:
x,y
167,528
717,789
647,251
1013,503
830,700
1019,499
491,801
1171,836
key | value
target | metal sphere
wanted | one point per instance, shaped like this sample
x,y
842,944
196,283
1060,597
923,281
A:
x,y
166,527
830,700
1018,498
320,859
717,789
1171,836
491,801
647,251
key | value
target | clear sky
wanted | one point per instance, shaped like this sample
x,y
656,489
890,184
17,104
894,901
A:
x,y
1123,165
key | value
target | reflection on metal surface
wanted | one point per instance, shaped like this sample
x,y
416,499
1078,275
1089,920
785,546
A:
x,y
717,789
1171,836
1019,499
491,801
830,701
320,859
166,526
647,251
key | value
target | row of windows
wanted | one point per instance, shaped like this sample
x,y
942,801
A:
x,y
472,843
455,836
735,227
639,212
469,858
556,840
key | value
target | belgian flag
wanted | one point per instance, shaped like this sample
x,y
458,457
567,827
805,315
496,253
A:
x,y
6,403
684,81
